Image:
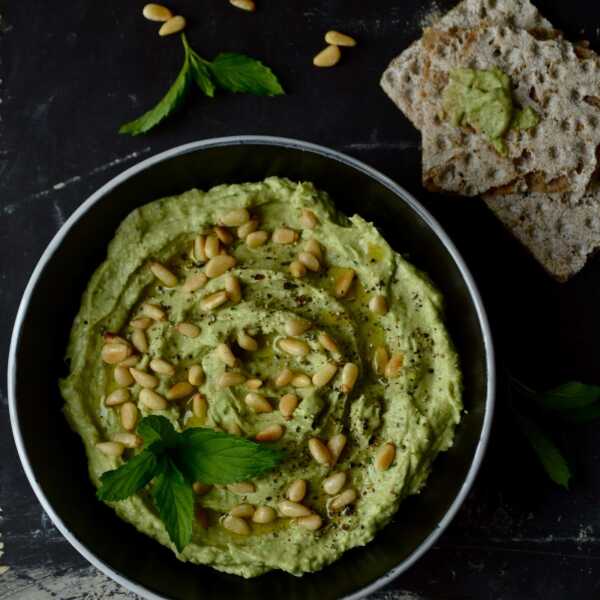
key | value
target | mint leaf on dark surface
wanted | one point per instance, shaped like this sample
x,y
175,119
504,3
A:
x,y
240,73
219,458
569,396
129,478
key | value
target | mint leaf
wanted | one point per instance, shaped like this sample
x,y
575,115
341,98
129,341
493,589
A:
x,y
130,477
167,105
156,428
174,501
240,73
549,455
569,395
201,75
218,458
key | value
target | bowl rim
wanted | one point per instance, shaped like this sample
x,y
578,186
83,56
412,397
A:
x,y
267,140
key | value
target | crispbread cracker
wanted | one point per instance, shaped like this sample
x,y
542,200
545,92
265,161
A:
x,y
558,230
557,155
401,81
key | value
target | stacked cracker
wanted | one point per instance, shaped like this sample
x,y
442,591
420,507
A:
x,y
546,188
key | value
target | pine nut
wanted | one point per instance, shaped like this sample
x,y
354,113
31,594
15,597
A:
x,y
122,376
110,448
129,440
180,390
188,329
342,500
394,365
156,12
297,326
130,362
333,484
308,219
242,487
195,375
141,323
112,338
297,490
153,311
199,249
236,525
328,343
214,300
272,433
243,511
247,5
344,283
119,396
201,488
385,456
199,406
297,269
287,508
225,236
159,365
233,428
144,379
247,342
256,239
163,274
301,381
129,416
113,354
378,305
349,377
328,57
212,246
287,405
339,39
233,288
284,378
139,340
310,261
294,346
264,514
217,265
152,400
312,522
243,231
194,282
283,235
324,375
258,403
254,384
320,452
173,25
336,446
230,379
313,247
380,360
224,354
235,217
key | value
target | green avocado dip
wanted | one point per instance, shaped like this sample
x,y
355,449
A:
x,y
311,335
482,99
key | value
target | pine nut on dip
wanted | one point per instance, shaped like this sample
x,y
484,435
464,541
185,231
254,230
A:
x,y
356,438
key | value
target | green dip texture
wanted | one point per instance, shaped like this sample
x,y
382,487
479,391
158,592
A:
x,y
414,408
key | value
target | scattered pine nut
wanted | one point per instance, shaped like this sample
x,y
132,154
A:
x,y
258,403
180,390
294,346
328,343
122,376
199,249
349,377
173,25
139,340
254,384
199,406
243,231
195,375
342,500
224,354
188,329
243,511
242,487
333,484
310,261
272,433
152,400
233,288
295,327
311,522
156,12
225,236
283,235
378,305
146,380
130,361
128,439
301,381
344,282
218,265
328,57
287,405
297,490
287,508
336,445
264,514
212,246
113,354
213,301
247,342
141,323
394,365
110,448
308,219
313,247
380,360
324,375
256,239
194,282
247,5
119,396
297,269
229,379
339,39
320,452
235,217
159,365
235,524
385,456
163,274
284,378
153,311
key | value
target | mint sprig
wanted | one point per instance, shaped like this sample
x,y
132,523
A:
x,y
229,71
173,461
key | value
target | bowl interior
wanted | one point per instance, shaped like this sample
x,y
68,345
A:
x,y
56,456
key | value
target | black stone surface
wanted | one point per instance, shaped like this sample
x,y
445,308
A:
x,y
72,72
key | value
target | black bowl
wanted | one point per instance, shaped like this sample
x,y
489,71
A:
x,y
53,456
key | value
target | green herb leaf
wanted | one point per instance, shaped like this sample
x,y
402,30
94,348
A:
x,y
218,458
240,73
569,395
174,500
584,414
130,477
550,456
156,428
198,69
169,103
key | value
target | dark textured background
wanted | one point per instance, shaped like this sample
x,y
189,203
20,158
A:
x,y
73,71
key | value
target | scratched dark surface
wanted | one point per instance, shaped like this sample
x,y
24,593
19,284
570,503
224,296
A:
x,y
72,72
